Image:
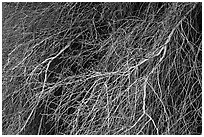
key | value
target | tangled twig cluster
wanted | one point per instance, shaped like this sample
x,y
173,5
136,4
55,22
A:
x,y
102,68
